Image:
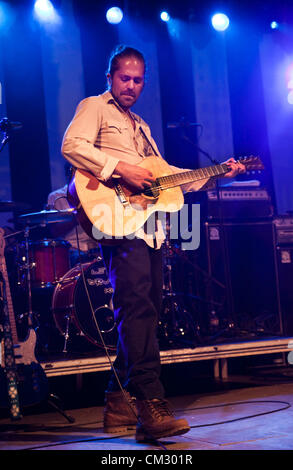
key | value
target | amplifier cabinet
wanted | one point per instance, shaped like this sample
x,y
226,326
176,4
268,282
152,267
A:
x,y
253,203
284,230
285,282
243,280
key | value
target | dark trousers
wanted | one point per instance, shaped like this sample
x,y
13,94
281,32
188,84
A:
x,y
135,272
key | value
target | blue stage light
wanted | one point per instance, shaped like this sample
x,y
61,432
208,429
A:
x,y
220,21
114,15
44,7
164,16
274,25
7,16
45,11
290,97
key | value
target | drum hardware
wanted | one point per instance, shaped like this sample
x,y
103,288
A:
x,y
47,217
40,264
33,267
6,126
81,305
176,325
9,206
28,276
66,333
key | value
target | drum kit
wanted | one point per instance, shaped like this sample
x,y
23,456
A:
x,y
69,303
69,306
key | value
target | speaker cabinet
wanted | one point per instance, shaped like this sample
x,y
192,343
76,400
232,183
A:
x,y
285,282
243,280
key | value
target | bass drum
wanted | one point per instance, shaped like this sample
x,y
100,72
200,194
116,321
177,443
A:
x,y
72,310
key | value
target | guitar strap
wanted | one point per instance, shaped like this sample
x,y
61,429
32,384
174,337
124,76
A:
x,y
148,141
156,153
10,368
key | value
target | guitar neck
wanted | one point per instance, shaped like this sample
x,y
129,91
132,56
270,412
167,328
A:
x,y
190,176
9,299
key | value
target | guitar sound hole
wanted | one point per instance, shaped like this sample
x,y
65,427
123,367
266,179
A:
x,y
152,192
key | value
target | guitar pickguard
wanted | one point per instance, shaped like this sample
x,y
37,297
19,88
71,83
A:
x,y
24,352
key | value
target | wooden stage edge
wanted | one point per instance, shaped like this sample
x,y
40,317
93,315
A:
x,y
219,353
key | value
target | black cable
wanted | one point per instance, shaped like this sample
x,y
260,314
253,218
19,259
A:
x,y
287,405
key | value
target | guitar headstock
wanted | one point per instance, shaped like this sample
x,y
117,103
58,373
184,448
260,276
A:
x,y
252,163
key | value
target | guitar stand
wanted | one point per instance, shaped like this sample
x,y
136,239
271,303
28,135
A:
x,y
59,407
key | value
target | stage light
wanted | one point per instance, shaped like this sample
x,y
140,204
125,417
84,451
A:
x,y
289,80
5,13
274,25
164,16
289,75
220,21
45,11
114,15
290,97
44,7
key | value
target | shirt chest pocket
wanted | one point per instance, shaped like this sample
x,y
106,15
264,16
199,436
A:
x,y
115,135
115,127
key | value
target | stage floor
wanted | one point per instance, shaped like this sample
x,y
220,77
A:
x,y
255,417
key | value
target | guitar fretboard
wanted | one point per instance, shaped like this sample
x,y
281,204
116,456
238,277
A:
x,y
189,176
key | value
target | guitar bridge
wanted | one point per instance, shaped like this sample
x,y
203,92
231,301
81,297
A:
x,y
121,195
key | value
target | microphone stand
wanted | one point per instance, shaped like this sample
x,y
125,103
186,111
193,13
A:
x,y
4,140
5,126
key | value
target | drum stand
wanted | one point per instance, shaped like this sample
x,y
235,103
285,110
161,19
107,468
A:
x,y
177,325
66,334
27,267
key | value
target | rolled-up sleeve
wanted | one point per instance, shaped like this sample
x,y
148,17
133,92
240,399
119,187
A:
x,y
78,145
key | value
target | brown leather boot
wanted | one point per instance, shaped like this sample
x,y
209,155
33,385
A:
x,y
119,413
156,420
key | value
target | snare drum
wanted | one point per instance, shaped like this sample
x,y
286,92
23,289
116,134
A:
x,y
72,310
48,259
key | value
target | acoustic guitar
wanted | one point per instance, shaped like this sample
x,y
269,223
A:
x,y
113,209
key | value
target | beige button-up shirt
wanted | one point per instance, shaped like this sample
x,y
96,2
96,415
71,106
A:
x,y
57,200
101,133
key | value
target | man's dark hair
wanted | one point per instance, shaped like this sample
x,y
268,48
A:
x,y
121,52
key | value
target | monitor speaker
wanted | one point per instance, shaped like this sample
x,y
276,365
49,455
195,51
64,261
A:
x,y
243,277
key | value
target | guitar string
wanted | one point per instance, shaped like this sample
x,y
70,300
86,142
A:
x,y
164,186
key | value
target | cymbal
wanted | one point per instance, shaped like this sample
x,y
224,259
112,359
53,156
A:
x,y
47,217
8,206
